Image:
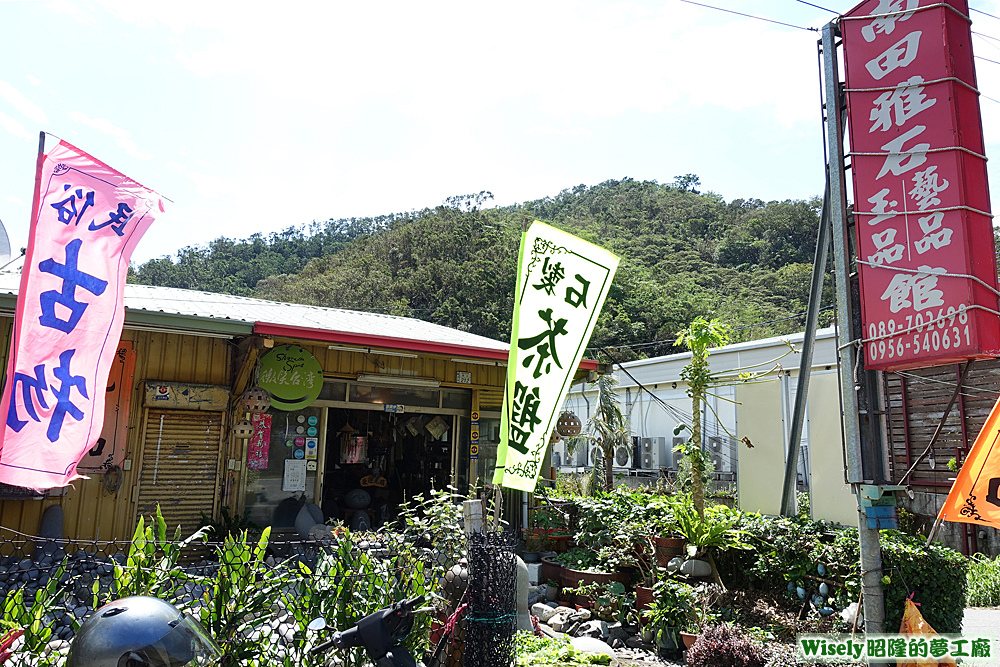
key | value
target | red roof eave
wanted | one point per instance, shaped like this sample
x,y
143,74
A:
x,y
391,342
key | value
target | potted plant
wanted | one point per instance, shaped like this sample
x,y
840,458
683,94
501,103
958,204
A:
x,y
714,530
610,601
534,543
702,615
550,523
667,543
672,610
584,565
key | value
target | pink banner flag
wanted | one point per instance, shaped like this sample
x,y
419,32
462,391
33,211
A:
x,y
87,219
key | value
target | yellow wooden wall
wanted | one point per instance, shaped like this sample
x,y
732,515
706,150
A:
x,y
89,511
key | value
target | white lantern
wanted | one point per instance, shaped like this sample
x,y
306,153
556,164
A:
x,y
255,400
243,429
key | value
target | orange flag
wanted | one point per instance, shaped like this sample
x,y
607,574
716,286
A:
x,y
975,495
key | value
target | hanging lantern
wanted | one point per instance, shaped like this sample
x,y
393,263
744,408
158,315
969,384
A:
x,y
255,400
243,429
569,425
555,437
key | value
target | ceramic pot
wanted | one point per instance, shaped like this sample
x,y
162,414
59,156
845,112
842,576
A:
x,y
667,548
643,597
571,578
551,570
689,639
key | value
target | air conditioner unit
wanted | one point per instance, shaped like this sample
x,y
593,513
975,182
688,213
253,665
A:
x,y
623,456
715,444
596,455
717,462
653,452
675,456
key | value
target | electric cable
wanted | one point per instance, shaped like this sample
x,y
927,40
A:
x,y
818,7
749,16
979,11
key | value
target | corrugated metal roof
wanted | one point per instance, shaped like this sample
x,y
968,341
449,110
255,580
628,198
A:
x,y
147,303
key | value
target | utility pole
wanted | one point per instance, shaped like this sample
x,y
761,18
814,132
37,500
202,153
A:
x,y
852,374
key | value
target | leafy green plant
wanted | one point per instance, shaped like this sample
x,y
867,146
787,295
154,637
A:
x,y
347,584
608,428
786,553
151,564
983,581
714,529
239,590
935,575
610,600
672,609
535,651
434,522
229,524
18,612
579,558
693,458
698,337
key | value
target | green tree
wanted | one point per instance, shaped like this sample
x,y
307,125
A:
x,y
700,335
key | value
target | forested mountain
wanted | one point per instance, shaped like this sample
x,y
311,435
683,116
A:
x,y
684,253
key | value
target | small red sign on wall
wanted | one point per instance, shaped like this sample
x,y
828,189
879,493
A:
x,y
922,212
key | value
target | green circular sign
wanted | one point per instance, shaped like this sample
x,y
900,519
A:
x,y
292,375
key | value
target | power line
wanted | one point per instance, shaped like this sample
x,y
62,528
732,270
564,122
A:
x,y
995,39
671,341
984,13
749,16
818,7
987,60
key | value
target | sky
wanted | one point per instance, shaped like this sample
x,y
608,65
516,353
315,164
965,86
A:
x,y
255,117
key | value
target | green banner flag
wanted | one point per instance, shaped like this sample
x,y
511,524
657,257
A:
x,y
562,284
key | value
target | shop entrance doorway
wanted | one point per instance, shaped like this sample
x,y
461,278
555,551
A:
x,y
378,447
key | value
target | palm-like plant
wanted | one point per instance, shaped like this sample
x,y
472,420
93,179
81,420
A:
x,y
608,426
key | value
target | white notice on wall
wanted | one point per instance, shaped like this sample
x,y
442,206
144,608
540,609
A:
x,y
295,475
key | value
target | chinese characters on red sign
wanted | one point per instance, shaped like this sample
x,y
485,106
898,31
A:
x,y
86,222
922,212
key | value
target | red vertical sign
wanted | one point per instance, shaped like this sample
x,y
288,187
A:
x,y
922,212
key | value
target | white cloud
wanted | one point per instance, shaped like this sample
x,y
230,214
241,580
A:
x,y
121,136
15,128
33,80
19,101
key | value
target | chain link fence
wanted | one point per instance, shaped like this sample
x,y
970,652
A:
x,y
255,597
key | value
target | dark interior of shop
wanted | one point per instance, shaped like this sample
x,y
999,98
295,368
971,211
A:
x,y
377,460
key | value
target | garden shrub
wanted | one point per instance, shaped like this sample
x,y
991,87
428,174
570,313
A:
x,y
724,645
790,550
936,576
983,581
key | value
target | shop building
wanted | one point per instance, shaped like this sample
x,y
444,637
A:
x,y
398,408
